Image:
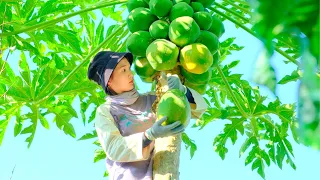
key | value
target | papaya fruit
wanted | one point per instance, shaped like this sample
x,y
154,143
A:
x,y
177,1
174,104
216,59
160,8
159,29
180,9
203,19
196,78
133,4
196,58
140,19
143,68
210,40
162,54
205,3
216,27
200,88
183,31
138,42
196,6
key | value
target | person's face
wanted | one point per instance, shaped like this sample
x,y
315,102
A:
x,y
121,79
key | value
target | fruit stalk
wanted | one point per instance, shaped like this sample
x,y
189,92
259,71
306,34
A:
x,y
166,158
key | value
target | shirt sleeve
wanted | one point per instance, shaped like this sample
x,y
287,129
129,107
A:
x,y
201,105
117,147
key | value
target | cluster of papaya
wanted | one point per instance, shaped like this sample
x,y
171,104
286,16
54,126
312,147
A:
x,y
166,32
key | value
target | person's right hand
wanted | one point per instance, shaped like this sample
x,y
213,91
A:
x,y
158,131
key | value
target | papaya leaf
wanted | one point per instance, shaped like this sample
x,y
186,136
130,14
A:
x,y
47,81
279,146
189,143
23,45
44,122
6,71
24,69
89,136
28,8
66,37
106,173
97,143
229,132
7,112
34,116
99,154
112,13
19,90
99,37
258,163
295,75
88,25
62,120
247,144
18,123
50,8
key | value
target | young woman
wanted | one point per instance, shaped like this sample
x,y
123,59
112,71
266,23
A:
x,y
125,124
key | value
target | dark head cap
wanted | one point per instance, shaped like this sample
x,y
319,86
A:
x,y
103,64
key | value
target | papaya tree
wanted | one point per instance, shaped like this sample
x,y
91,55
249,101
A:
x,y
56,39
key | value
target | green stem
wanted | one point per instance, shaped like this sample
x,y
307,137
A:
x,y
231,93
237,6
231,11
2,26
253,123
248,21
252,33
62,18
93,52
272,112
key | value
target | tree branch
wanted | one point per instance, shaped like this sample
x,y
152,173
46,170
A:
x,y
62,18
251,32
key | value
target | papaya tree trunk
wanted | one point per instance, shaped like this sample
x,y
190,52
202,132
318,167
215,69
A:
x,y
167,150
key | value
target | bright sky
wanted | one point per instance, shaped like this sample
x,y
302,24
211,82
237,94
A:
x,y
54,155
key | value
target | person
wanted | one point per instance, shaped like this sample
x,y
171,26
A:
x,y
125,124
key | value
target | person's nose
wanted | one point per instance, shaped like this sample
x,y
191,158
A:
x,y
130,75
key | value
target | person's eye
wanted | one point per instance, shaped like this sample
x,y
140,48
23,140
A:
x,y
124,69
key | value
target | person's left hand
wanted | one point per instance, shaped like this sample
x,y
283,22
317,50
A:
x,y
175,83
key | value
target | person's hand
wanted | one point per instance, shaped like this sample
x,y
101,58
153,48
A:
x,y
158,131
175,83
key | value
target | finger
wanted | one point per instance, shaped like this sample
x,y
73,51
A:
x,y
173,125
170,84
178,132
178,128
170,80
160,121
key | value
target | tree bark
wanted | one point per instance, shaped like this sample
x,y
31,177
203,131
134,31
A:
x,y
166,158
